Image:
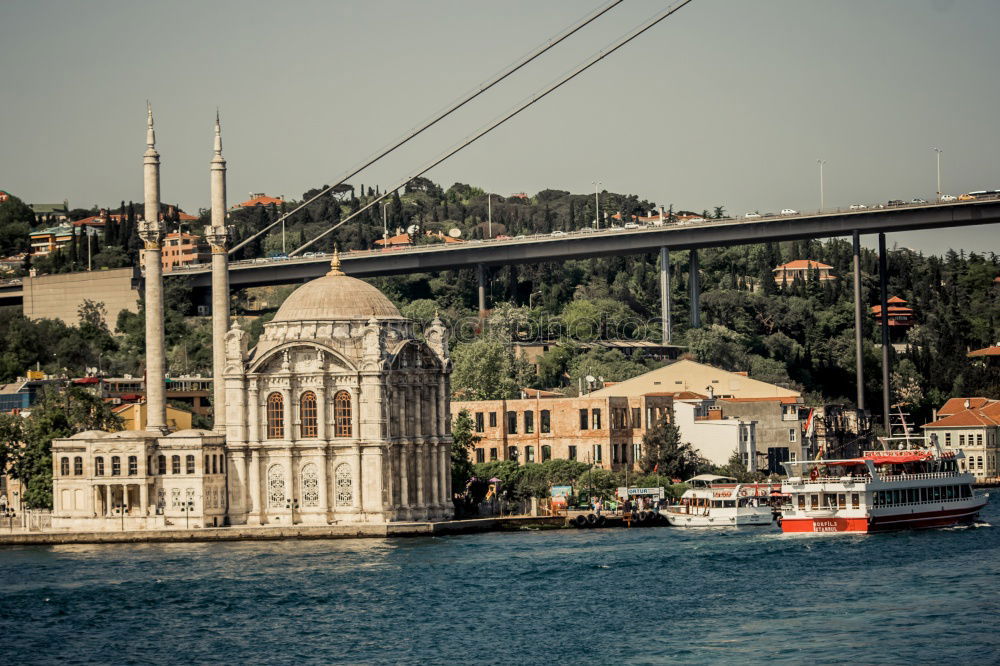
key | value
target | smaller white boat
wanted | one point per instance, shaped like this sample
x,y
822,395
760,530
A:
x,y
718,501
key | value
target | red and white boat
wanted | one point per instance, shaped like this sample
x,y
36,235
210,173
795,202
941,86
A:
x,y
878,492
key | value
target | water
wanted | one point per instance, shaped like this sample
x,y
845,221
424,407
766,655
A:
x,y
580,597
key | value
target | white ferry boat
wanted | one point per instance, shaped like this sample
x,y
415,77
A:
x,y
880,491
718,501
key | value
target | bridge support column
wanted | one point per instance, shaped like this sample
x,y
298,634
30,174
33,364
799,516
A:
x,y
665,293
694,283
859,368
481,273
883,284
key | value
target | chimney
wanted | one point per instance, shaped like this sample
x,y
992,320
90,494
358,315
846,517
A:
x,y
968,403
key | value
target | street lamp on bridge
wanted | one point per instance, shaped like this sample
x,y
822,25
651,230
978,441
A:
x,y
937,152
821,198
597,205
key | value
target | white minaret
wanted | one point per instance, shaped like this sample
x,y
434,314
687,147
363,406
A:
x,y
218,239
151,233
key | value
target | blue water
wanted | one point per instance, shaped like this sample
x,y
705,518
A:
x,y
567,596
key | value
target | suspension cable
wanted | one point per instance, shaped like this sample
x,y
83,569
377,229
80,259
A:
x,y
454,107
601,55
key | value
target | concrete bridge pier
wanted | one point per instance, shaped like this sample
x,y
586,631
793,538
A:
x,y
859,367
694,282
883,285
481,273
665,293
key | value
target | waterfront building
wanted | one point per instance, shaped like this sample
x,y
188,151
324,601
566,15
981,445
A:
x,y
779,427
970,425
785,274
339,414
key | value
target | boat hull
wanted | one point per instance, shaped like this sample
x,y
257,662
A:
x,y
699,520
885,523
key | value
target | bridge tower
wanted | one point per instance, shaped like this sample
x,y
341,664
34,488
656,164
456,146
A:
x,y
217,236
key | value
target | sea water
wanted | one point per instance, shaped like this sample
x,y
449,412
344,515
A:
x,y
604,596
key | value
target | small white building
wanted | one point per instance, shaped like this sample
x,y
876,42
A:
x,y
716,438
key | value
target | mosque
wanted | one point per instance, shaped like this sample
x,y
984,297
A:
x,y
338,415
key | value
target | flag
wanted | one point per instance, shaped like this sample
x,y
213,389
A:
x,y
810,424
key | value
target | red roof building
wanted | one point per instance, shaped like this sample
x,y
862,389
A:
x,y
785,274
259,200
399,240
972,426
899,313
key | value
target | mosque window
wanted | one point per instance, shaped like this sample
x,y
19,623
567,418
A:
x,y
275,416
64,467
276,487
175,464
189,464
215,464
161,464
342,414
208,464
133,465
99,466
175,497
116,466
78,466
345,487
310,486
307,414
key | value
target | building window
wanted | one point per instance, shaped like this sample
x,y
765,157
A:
x,y
546,452
493,419
64,467
947,439
342,414
275,416
493,454
636,417
792,435
636,452
961,440
161,465
133,465
310,486
480,456
614,453
216,461
597,453
307,415
512,423
99,466
545,419
222,463
189,464
979,439
175,464
529,454
78,466
572,453
345,488
479,422
595,419
583,419
276,487
512,453
529,422
208,463
116,466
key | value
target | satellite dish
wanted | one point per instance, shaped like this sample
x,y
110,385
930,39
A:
x,y
590,379
455,233
412,229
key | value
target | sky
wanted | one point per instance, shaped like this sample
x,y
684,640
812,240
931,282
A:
x,y
727,102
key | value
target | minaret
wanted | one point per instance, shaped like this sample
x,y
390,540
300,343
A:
x,y
151,233
218,239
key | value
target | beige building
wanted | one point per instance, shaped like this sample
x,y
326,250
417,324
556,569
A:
x,y
785,274
970,425
133,416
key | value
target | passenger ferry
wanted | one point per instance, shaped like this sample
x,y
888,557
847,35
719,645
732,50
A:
x,y
718,501
880,491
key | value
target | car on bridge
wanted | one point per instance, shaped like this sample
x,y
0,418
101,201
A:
x,y
751,216
948,197
789,211
918,200
895,202
858,207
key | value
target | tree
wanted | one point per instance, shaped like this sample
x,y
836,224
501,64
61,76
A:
x,y
663,452
488,369
16,219
464,440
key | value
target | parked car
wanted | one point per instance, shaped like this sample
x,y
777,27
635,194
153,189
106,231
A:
x,y
858,206
948,197
558,233
789,211
895,202
751,216
631,225
918,200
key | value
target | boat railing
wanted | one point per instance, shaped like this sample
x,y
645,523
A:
x,y
859,478
917,477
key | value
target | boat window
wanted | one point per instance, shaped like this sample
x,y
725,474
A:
x,y
729,504
895,497
936,493
923,494
855,501
966,491
831,501
842,500
814,501
802,501
951,492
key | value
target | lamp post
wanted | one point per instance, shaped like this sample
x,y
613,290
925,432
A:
x,y
937,153
187,508
385,227
597,205
489,214
822,202
292,505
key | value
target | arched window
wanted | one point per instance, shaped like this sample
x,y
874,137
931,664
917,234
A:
x,y
133,465
342,414
215,463
78,466
307,414
99,466
276,487
116,466
190,464
175,464
208,466
64,467
345,488
275,416
310,486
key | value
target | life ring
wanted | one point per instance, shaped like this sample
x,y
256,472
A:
x,y
743,492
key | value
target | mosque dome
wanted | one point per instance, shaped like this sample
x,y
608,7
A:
x,y
336,297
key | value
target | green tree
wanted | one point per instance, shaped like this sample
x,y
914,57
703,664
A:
x,y
464,439
488,369
664,453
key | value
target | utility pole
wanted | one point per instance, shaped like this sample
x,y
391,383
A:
x,y
597,206
821,197
385,227
489,213
283,237
937,152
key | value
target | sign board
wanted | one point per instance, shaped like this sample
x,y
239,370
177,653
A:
x,y
633,492
562,491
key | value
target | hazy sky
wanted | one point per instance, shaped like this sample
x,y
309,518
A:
x,y
729,102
